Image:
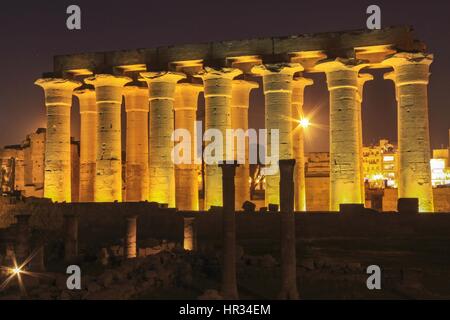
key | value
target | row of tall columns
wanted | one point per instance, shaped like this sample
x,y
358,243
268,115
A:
x,y
186,174
411,76
88,145
161,167
137,160
278,86
174,105
345,158
218,92
298,90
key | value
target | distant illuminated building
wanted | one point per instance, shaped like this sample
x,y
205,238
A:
x,y
440,171
380,165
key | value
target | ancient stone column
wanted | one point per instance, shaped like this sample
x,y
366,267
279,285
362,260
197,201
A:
x,y
411,74
88,142
278,85
229,283
70,237
58,100
218,91
345,159
136,106
298,90
161,167
190,236
186,174
131,237
22,249
362,79
288,252
108,180
240,97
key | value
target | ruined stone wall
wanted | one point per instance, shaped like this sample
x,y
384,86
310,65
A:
x,y
317,193
441,198
104,224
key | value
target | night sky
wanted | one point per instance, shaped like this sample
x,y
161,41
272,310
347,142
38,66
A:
x,y
32,32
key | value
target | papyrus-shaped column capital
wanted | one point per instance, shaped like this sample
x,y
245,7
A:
x,y
136,98
218,82
409,68
162,84
87,100
277,77
362,79
298,87
341,72
108,84
240,97
57,91
186,96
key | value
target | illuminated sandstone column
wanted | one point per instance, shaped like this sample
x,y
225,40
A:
x,y
362,79
58,100
218,90
161,167
131,237
345,160
186,174
411,74
136,106
108,180
298,90
278,85
88,143
189,234
239,120
288,252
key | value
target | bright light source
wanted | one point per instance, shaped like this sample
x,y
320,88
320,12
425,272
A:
x,y
16,270
304,123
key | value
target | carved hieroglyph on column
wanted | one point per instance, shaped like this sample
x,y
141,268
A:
x,y
136,106
58,100
218,89
88,142
108,180
411,74
362,79
161,167
278,85
239,121
298,90
186,174
345,158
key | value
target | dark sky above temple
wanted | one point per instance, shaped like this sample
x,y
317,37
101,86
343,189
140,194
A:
x,y
32,32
